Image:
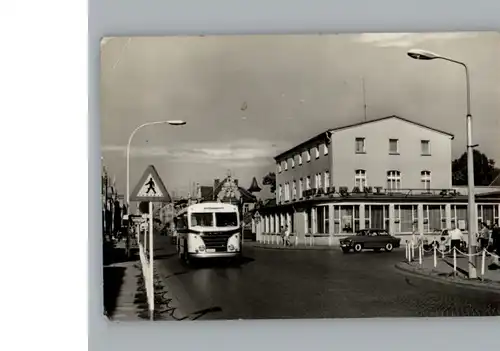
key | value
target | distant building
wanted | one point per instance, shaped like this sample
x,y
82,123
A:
x,y
387,173
228,190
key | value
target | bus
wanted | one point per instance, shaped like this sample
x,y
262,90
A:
x,y
208,230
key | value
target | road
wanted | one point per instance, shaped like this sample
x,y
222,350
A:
x,y
314,284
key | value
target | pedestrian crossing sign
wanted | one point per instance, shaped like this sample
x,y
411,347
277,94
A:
x,y
150,188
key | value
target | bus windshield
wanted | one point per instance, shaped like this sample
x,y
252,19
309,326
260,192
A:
x,y
226,219
202,219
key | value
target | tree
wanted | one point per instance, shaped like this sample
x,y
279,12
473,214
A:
x,y
270,179
484,169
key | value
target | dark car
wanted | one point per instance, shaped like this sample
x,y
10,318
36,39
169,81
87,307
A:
x,y
372,239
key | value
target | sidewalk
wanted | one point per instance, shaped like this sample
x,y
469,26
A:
x,y
444,272
120,284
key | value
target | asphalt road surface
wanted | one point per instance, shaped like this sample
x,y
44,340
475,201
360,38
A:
x,y
313,284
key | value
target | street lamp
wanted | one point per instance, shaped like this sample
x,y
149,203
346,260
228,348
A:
x,y
171,122
427,55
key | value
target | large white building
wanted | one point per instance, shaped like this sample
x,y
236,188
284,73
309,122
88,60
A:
x,y
387,173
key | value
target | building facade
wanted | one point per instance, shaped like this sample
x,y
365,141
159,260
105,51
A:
x,y
386,173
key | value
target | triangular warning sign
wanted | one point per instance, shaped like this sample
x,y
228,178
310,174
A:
x,y
150,188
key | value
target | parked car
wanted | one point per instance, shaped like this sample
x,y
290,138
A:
x,y
372,239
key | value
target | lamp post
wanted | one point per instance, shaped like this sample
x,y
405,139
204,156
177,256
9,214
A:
x,y
173,123
427,55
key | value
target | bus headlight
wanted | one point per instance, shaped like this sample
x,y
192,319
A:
x,y
230,247
201,248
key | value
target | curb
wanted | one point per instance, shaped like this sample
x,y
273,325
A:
x,y
176,312
486,286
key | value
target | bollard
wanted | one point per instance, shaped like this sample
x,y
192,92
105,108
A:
x,y
483,262
420,255
454,261
435,256
406,250
329,240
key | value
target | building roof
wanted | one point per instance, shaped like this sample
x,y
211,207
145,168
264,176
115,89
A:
x,y
496,181
323,135
208,192
254,187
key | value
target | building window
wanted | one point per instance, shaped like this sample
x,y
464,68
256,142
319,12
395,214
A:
x,y
292,160
486,214
360,145
308,183
317,181
459,216
316,151
325,149
301,187
308,156
393,146
496,215
425,178
346,219
394,180
327,180
279,167
294,190
425,146
279,193
360,179
322,216
405,218
290,221
377,216
287,191
286,165
434,218
300,159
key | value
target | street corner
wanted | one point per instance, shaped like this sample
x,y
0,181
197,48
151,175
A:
x,y
447,277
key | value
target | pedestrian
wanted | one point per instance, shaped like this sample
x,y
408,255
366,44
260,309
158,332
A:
x,y
287,236
495,236
456,238
484,237
282,234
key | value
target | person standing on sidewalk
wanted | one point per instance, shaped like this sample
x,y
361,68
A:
x,y
495,236
282,234
287,236
484,237
456,237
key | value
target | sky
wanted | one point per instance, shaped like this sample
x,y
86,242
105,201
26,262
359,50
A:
x,y
247,98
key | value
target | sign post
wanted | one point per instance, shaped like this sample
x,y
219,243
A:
x,y
150,188
151,270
